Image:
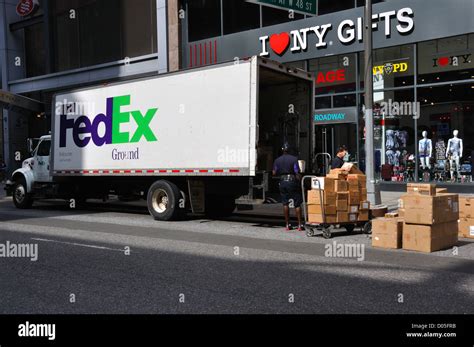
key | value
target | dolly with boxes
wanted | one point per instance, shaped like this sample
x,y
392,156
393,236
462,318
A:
x,y
340,198
427,220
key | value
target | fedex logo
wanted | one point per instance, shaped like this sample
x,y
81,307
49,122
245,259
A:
x,y
85,130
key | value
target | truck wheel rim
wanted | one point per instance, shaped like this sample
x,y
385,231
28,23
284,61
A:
x,y
20,194
160,201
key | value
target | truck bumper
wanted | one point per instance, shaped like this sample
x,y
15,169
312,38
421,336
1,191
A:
x,y
9,186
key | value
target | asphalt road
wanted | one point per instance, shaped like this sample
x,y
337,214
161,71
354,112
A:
x,y
242,265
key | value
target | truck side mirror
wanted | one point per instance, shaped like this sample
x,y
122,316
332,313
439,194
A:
x,y
30,144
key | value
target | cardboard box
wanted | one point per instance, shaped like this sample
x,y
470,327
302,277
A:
x,y
430,238
314,197
353,217
364,215
354,198
342,217
466,206
315,218
351,168
342,205
421,188
430,210
341,186
329,184
354,209
363,194
316,209
364,205
392,215
401,213
466,228
342,196
387,233
442,191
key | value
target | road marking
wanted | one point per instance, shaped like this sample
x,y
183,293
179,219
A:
x,y
80,245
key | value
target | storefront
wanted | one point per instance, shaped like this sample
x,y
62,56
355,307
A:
x,y
423,79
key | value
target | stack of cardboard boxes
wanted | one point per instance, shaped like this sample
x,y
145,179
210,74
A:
x,y
427,221
343,198
466,216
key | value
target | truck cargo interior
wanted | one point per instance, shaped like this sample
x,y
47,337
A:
x,y
284,116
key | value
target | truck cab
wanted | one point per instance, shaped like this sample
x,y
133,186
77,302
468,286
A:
x,y
34,171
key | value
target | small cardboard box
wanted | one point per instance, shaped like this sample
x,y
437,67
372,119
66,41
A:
x,y
364,205
353,217
466,228
466,206
364,215
343,217
354,198
342,196
363,194
421,188
341,186
329,184
315,218
316,209
342,205
314,197
430,238
430,210
387,233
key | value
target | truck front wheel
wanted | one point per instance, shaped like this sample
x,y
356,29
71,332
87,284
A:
x,y
21,198
164,200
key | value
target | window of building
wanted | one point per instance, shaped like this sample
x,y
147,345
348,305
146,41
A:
x,y
336,74
204,19
273,16
329,6
91,32
445,109
392,67
240,15
447,59
35,51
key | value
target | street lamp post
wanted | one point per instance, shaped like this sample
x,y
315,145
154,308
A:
x,y
373,191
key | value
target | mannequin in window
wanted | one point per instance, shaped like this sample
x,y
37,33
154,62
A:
x,y
454,153
426,151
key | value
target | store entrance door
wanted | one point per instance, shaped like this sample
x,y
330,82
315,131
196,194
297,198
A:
x,y
332,129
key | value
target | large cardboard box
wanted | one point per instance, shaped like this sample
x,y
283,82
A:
x,y
387,233
354,198
342,206
341,186
314,197
466,206
353,217
318,219
342,196
430,210
342,217
364,215
316,209
421,188
466,228
430,238
329,184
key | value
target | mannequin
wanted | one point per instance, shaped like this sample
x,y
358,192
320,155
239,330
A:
x,y
425,148
454,153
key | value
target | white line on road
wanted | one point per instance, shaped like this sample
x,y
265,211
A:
x,y
80,245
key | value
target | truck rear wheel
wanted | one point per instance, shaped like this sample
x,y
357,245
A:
x,y
21,198
164,201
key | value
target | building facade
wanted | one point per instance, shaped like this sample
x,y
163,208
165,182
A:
x,y
423,73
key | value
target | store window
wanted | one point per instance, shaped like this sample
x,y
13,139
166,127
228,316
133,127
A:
x,y
394,135
447,59
204,19
336,74
240,15
35,50
444,110
91,32
392,67
274,16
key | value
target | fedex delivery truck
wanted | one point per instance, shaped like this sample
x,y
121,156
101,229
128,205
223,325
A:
x,y
195,140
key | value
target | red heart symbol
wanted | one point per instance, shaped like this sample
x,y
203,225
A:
x,y
280,42
443,61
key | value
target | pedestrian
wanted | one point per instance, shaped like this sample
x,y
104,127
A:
x,y
287,169
338,160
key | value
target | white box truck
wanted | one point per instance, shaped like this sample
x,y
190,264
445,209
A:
x,y
193,140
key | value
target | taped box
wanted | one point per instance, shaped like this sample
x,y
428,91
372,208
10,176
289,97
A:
x,y
430,210
421,188
341,186
314,197
466,228
387,233
430,238
466,206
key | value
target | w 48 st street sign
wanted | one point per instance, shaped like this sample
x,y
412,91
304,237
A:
x,y
302,6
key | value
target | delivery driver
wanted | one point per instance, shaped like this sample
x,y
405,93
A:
x,y
286,167
338,161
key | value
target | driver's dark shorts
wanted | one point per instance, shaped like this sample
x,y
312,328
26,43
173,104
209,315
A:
x,y
291,192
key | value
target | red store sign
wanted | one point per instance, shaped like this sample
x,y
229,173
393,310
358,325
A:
x,y
331,76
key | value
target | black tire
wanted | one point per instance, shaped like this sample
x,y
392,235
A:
x,y
21,198
327,233
350,228
309,232
164,201
368,228
219,206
